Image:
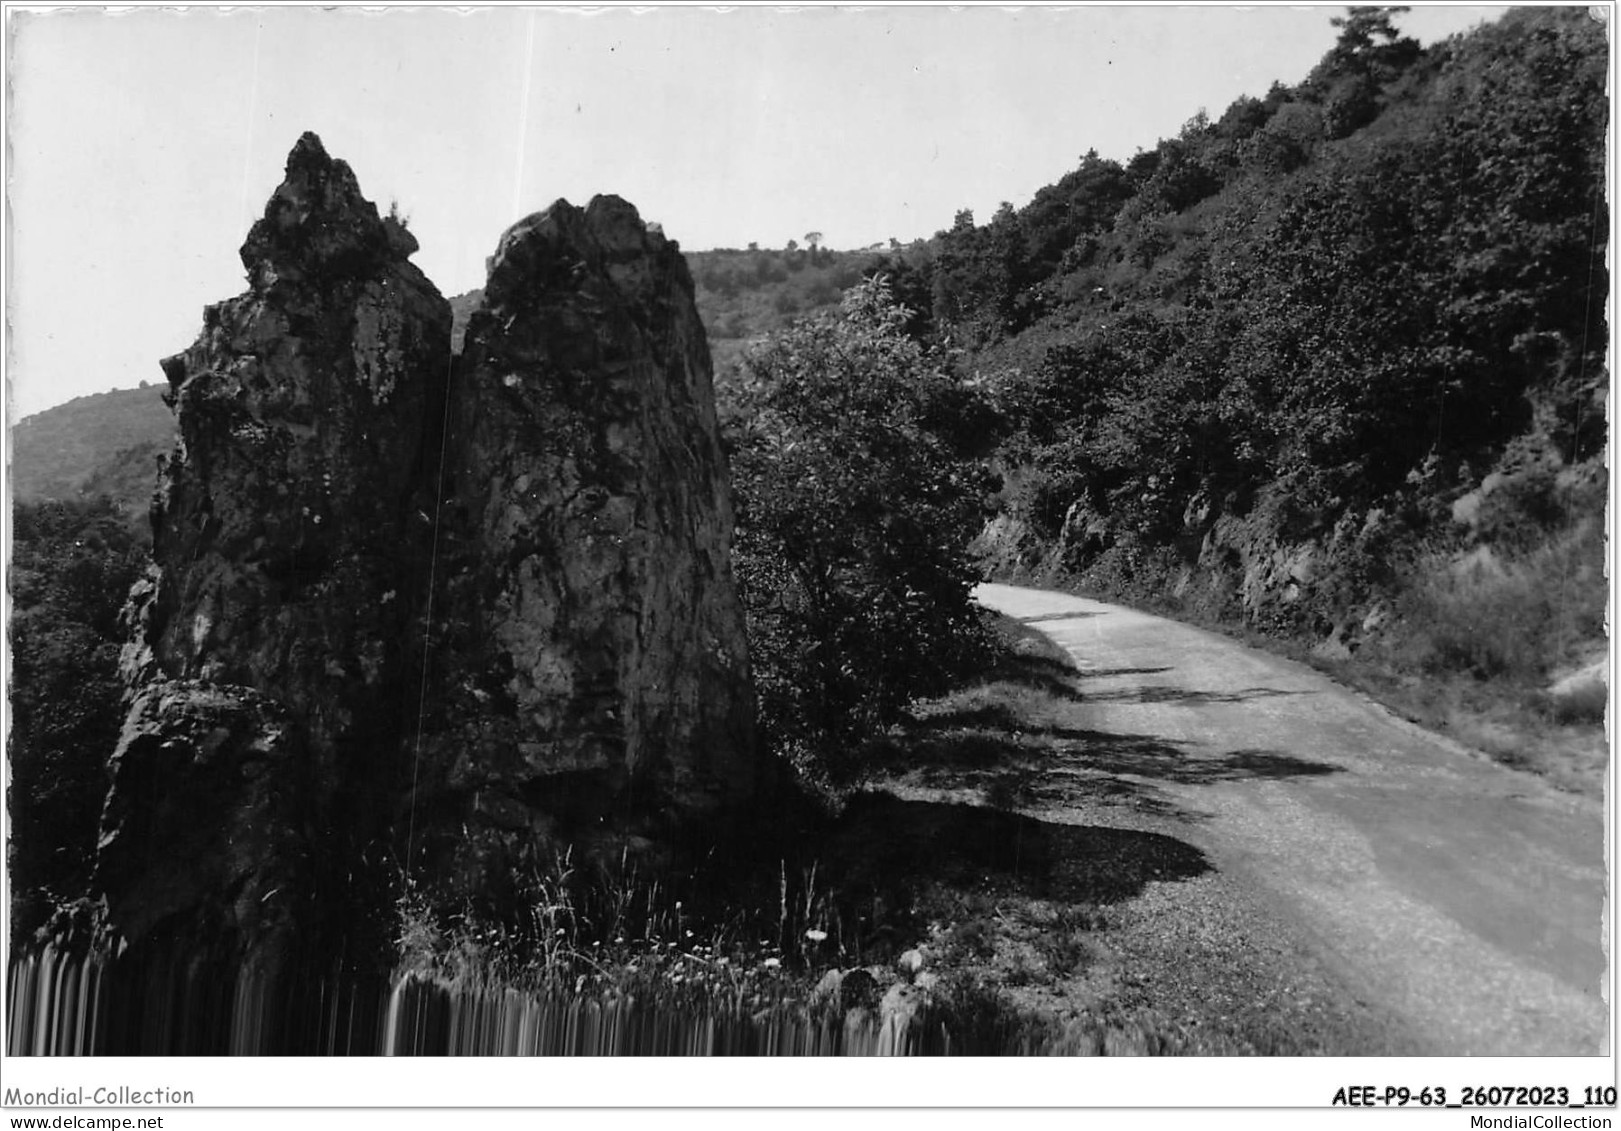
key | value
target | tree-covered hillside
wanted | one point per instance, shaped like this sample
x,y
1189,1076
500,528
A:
x,y
1301,365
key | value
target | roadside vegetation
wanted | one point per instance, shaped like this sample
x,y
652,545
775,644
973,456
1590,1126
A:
x,y
858,489
1501,643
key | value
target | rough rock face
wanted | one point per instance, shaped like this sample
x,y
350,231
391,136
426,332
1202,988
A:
x,y
306,410
211,839
289,568
592,664
409,608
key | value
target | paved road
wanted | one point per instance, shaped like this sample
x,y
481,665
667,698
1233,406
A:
x,y
1462,897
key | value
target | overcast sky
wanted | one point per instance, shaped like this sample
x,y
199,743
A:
x,y
143,145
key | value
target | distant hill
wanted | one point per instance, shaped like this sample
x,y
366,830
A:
x,y
105,443
745,294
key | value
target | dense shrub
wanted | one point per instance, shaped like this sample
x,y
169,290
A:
x,y
854,512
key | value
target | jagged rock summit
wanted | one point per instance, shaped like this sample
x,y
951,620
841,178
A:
x,y
318,224
417,617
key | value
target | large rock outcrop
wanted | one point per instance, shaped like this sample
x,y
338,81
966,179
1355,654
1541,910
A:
x,y
419,616
591,674
276,645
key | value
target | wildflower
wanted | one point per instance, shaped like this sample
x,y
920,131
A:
x,y
772,963
816,936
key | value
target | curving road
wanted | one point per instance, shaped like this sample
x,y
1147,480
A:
x,y
1463,899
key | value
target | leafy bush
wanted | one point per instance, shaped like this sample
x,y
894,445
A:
x,y
854,516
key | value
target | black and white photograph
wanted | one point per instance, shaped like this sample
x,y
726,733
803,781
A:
x,y
819,532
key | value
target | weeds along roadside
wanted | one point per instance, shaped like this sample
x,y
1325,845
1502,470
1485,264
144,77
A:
x,y
632,942
833,928
721,937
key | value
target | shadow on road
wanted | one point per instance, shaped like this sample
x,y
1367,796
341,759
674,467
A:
x,y
892,843
1039,673
1104,673
1169,761
1186,697
1056,616
983,735
1035,787
1015,763
1012,741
